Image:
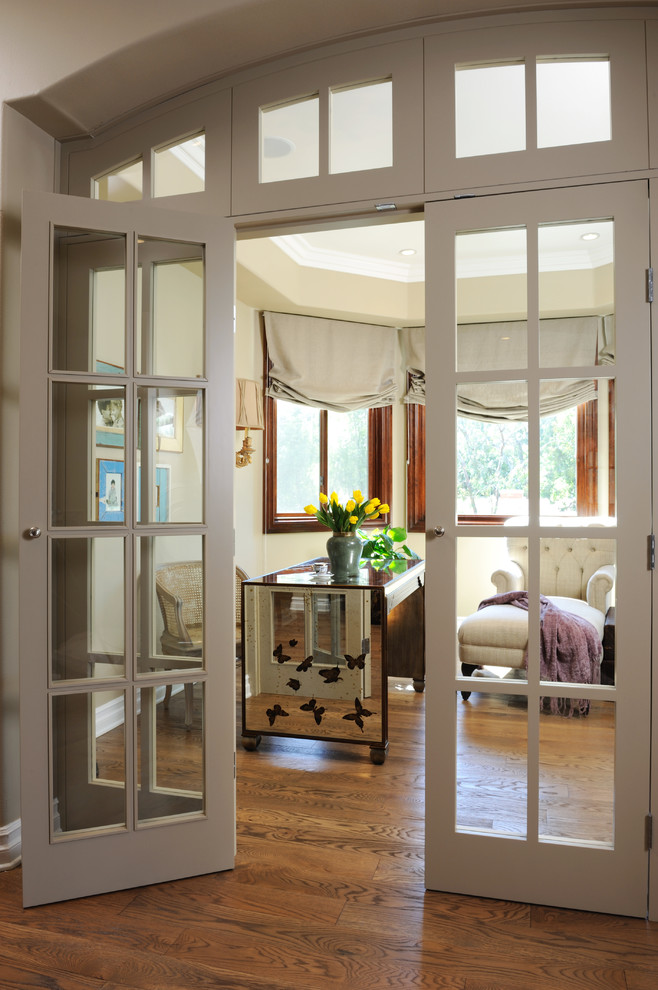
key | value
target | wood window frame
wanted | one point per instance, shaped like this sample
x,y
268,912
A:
x,y
380,470
586,465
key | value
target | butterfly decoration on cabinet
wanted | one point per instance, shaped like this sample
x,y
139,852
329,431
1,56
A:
x,y
359,713
312,706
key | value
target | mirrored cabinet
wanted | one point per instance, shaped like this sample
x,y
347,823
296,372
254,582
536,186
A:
x,y
317,652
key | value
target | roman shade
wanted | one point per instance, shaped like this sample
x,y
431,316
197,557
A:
x,y
566,343
331,364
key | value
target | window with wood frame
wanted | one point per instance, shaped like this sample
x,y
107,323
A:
x,y
308,450
582,492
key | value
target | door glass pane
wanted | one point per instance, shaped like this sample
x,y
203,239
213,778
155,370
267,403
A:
x,y
180,168
290,140
87,608
577,450
578,577
121,185
492,457
577,775
89,301
573,100
492,787
88,761
170,603
347,451
170,469
297,456
171,322
558,467
489,109
88,447
491,273
492,640
361,128
170,751
576,294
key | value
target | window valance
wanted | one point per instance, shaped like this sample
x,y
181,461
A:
x,y
567,342
331,364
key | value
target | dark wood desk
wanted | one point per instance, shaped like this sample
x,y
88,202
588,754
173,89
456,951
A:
x,y
317,653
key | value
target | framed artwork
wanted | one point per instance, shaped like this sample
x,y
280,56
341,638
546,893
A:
x,y
106,368
162,488
110,490
110,422
169,423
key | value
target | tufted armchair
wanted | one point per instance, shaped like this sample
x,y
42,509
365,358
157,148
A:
x,y
578,575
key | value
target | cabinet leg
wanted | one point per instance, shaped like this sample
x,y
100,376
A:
x,y
251,743
378,754
419,684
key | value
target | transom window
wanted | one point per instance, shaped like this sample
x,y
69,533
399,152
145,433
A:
x,y
176,169
360,134
572,102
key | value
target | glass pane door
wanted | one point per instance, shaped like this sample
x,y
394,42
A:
x,y
120,646
540,753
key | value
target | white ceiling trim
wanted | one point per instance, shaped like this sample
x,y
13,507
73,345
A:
x,y
307,255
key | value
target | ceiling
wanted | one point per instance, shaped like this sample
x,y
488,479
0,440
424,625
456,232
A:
x,y
396,252
75,68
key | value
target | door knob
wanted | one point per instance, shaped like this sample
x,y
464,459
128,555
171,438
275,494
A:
x,y
439,531
34,532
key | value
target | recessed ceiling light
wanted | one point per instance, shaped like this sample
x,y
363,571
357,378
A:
x,y
277,147
589,237
407,251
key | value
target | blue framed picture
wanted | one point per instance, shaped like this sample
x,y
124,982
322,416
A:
x,y
110,490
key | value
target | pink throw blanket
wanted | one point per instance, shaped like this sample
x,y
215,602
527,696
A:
x,y
570,648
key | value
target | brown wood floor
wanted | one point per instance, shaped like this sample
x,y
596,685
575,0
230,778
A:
x,y
327,893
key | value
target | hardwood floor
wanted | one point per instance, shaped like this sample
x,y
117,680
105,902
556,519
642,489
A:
x,y
327,892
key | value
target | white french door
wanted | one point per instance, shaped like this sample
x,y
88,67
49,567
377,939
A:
x,y
537,782
126,576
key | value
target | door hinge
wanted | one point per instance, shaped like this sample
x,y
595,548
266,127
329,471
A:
x,y
650,285
648,832
651,552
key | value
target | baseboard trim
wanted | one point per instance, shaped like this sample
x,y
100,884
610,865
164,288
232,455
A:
x,y
110,714
10,845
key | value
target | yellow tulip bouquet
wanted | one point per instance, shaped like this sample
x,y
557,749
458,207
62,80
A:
x,y
348,517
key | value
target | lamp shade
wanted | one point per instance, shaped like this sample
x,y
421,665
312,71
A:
x,y
248,405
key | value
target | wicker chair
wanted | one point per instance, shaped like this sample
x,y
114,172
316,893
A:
x,y
179,588
240,576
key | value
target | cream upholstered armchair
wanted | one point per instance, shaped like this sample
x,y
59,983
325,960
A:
x,y
578,575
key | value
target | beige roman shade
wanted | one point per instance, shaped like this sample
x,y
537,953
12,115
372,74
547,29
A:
x,y
331,364
566,343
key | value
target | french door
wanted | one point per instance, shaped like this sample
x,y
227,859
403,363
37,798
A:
x,y
538,330
126,578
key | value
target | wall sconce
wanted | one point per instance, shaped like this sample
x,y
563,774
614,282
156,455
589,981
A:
x,y
248,416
